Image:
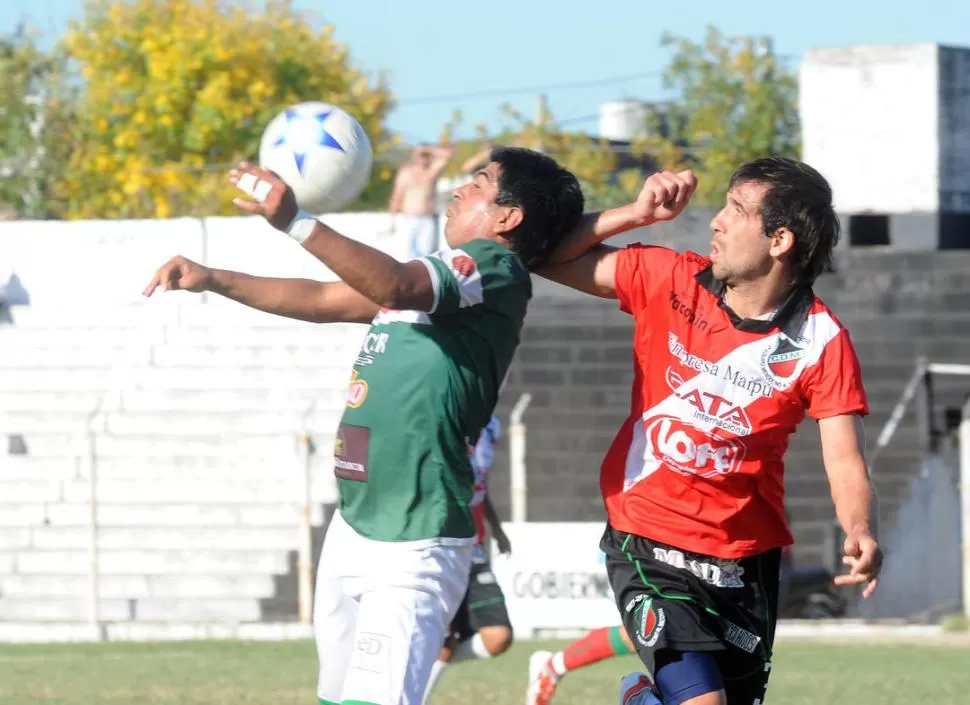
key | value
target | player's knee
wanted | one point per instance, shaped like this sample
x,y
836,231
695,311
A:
x,y
496,640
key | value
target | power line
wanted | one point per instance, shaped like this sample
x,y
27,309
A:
x,y
499,92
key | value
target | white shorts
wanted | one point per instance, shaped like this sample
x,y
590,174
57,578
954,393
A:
x,y
381,612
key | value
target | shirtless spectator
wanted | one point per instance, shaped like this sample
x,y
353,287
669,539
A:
x,y
413,200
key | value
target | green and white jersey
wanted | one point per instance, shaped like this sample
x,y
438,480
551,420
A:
x,y
423,387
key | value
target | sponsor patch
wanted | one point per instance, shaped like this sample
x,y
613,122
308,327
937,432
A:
x,y
741,638
350,452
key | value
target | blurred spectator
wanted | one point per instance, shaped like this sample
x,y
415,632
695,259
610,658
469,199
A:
x,y
414,218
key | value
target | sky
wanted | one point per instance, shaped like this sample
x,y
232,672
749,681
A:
x,y
476,55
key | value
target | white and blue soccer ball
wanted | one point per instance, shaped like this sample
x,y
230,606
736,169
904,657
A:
x,y
321,152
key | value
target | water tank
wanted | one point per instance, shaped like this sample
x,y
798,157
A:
x,y
622,120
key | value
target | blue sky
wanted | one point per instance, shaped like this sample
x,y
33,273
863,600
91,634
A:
x,y
579,53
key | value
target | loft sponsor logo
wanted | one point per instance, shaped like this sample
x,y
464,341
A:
x,y
690,451
689,314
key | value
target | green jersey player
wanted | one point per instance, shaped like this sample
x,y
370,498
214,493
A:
x,y
444,328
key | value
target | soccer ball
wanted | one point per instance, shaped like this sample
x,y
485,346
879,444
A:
x,y
321,152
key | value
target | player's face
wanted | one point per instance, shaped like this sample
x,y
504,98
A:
x,y
739,249
473,211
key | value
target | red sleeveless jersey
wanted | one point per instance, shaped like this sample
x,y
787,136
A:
x,y
698,464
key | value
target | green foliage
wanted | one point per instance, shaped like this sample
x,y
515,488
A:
x,y
35,107
176,91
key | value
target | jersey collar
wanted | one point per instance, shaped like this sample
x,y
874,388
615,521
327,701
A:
x,y
789,318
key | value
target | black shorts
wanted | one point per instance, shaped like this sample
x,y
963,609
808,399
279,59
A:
x,y
483,604
681,601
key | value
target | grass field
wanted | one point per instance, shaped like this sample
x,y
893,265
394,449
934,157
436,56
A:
x,y
238,673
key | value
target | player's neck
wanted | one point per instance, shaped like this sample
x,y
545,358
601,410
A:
x,y
757,299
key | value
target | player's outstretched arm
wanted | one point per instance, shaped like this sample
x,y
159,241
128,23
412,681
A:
x,y
378,276
592,273
843,443
663,196
303,299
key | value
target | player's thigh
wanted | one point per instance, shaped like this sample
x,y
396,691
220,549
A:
x,y
485,600
745,677
398,637
461,625
406,604
334,612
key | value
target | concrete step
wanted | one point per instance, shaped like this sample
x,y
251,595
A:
x,y
279,488
223,609
243,378
138,538
145,562
175,469
221,336
55,380
261,400
92,358
79,337
226,423
341,354
138,586
280,446
202,515
100,316
48,401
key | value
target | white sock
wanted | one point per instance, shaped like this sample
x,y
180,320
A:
x,y
558,663
469,649
437,668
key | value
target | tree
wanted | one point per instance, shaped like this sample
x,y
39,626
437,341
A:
x,y
733,101
176,91
593,160
34,108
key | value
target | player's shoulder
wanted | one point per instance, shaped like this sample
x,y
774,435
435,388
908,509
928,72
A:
x,y
657,258
823,324
489,254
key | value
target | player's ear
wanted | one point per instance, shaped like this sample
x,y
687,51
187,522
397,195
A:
x,y
782,242
510,217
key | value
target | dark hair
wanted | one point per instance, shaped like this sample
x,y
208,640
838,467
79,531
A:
x,y
548,195
800,199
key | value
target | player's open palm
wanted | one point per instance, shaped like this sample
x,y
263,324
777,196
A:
x,y
179,274
272,198
665,195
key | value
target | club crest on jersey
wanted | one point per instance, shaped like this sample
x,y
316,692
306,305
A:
x,y
650,620
780,364
357,392
464,265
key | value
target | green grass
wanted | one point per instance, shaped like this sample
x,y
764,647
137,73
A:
x,y
239,673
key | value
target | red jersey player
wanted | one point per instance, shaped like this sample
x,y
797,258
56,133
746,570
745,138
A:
x,y
731,351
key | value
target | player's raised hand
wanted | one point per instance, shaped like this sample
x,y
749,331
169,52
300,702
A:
x,y
179,274
272,198
664,195
864,558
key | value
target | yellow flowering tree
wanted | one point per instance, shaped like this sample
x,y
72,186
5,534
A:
x,y
176,91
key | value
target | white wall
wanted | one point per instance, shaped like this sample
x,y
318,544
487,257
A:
x,y
871,125
80,263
